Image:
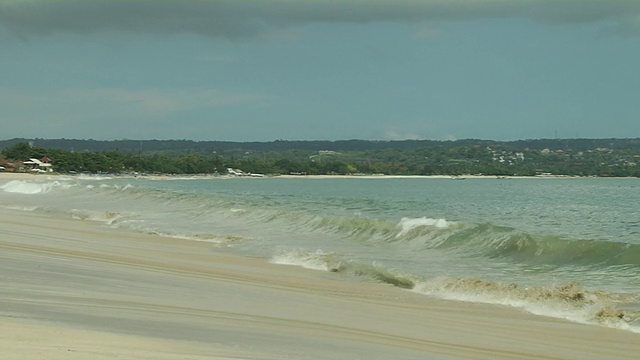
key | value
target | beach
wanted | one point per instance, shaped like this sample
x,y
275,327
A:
x,y
77,289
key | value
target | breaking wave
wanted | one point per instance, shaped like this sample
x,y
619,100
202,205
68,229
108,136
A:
x,y
107,217
487,240
331,262
409,224
317,260
568,301
31,188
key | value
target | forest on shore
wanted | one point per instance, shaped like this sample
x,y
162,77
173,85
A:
x,y
571,157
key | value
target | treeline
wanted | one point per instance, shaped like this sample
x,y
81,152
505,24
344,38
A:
x,y
110,161
494,159
205,148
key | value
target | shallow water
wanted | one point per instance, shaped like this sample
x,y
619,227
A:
x,y
558,247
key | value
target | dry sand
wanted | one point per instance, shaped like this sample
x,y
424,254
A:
x,y
72,289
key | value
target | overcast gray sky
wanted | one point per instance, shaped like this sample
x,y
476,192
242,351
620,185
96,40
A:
x,y
319,69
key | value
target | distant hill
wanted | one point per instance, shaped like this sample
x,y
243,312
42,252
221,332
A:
x,y
177,147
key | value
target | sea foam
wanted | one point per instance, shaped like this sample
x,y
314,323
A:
x,y
408,224
93,177
568,301
318,260
31,188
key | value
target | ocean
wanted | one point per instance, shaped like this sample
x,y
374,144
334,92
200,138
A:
x,y
561,247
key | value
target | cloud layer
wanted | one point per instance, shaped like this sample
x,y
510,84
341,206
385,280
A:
x,y
244,18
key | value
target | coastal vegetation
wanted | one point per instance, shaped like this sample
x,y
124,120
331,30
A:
x,y
571,157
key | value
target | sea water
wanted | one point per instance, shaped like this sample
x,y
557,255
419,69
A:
x,y
567,248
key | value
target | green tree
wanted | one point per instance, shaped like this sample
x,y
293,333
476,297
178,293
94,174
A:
x,y
21,151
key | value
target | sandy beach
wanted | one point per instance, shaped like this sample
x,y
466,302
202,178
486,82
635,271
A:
x,y
73,289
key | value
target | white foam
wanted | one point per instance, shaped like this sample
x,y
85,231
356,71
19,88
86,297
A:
x,y
219,240
318,260
108,217
116,187
94,177
128,186
584,312
60,178
408,224
31,188
22,208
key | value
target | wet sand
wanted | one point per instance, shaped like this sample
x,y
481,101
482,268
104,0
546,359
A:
x,y
72,289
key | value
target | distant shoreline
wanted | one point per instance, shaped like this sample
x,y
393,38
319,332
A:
x,y
615,158
31,176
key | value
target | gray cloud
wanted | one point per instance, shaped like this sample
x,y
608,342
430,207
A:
x,y
243,18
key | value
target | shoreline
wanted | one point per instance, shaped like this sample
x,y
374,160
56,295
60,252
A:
x,y
32,176
75,289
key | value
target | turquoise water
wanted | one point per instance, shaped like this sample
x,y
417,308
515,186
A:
x,y
556,247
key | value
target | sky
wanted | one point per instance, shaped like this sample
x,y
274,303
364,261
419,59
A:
x,y
250,70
